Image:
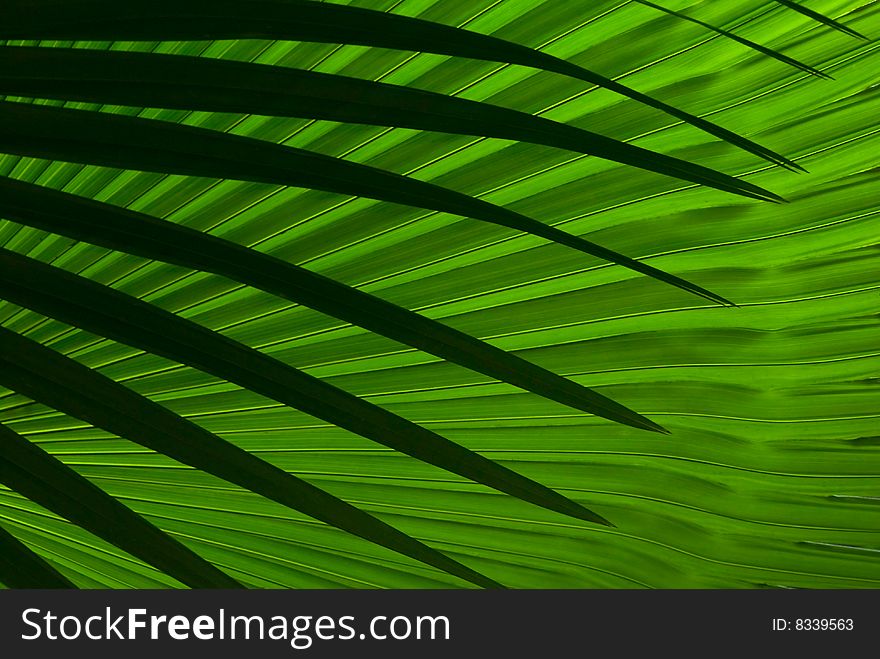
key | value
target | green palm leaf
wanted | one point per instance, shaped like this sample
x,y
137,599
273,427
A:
x,y
466,334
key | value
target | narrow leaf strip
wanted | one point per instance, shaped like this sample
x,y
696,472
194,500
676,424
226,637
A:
x,y
152,238
161,20
764,50
21,567
101,138
214,85
95,308
27,469
67,386
816,16
132,143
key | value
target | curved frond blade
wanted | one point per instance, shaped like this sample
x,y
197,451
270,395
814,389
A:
x,y
825,20
27,469
133,143
112,140
149,237
764,50
104,311
20,567
303,20
214,85
53,379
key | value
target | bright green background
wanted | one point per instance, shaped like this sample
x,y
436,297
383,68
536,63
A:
x,y
771,475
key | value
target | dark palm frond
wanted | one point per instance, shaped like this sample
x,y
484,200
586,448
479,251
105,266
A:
x,y
214,85
109,313
306,20
44,375
27,469
817,16
149,237
100,138
764,50
149,145
21,567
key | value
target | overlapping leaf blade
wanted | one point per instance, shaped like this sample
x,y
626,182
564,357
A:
x,y
822,18
21,567
214,85
27,469
62,383
764,50
111,140
149,237
148,145
305,20
102,310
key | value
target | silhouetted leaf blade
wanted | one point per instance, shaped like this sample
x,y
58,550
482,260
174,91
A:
x,y
20,567
50,378
213,85
27,469
149,237
825,20
102,310
302,20
112,140
764,50
133,143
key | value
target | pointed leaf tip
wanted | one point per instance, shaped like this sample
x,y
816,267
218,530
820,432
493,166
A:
x,y
821,18
76,300
182,20
148,237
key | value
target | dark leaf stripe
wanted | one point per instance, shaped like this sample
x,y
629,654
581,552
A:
x,y
66,385
133,143
146,236
213,85
157,20
112,140
20,567
764,50
42,478
825,20
95,308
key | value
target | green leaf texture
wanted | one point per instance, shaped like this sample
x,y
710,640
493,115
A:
x,y
770,476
